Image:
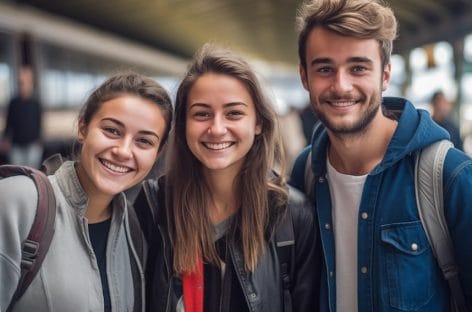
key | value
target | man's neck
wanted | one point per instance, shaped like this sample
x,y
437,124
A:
x,y
359,154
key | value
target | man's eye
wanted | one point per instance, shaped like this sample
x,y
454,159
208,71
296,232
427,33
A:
x,y
359,69
325,69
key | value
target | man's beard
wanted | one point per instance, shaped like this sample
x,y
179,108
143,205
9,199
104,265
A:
x,y
356,129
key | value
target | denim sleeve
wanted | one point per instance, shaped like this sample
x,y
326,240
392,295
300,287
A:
x,y
458,212
18,200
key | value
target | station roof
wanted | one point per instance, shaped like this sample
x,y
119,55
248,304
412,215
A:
x,y
263,29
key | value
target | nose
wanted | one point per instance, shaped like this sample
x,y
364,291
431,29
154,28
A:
x,y
217,126
123,149
342,82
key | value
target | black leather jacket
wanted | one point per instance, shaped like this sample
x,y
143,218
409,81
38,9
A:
x,y
262,288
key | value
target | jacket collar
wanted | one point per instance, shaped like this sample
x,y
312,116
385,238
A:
x,y
76,196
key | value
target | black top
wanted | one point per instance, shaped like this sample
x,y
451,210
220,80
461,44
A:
x,y
98,233
23,124
222,292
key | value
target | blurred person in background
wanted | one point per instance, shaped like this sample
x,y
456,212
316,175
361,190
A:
x,y
22,133
441,113
309,120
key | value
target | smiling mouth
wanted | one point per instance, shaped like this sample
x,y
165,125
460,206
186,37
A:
x,y
342,103
217,146
115,168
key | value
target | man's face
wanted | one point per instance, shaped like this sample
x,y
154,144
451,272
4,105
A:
x,y
345,80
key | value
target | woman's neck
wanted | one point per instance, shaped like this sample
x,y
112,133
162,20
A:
x,y
223,200
98,209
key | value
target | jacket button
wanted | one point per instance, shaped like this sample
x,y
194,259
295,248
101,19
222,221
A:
x,y
321,179
364,215
414,247
364,270
331,273
327,226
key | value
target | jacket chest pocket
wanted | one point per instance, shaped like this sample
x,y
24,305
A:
x,y
409,265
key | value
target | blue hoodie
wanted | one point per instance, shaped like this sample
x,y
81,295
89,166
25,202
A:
x,y
395,277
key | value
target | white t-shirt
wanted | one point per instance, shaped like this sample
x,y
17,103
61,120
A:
x,y
346,192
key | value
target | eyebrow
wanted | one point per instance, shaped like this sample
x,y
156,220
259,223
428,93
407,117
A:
x,y
122,125
354,59
204,105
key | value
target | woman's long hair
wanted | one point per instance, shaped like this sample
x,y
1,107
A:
x,y
187,192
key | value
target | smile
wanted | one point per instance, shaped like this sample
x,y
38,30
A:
x,y
115,168
344,103
217,146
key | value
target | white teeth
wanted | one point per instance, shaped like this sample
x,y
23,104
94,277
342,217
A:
x,y
217,146
342,103
113,167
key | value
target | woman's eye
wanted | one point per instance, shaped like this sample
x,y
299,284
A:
x,y
146,142
235,114
201,115
112,131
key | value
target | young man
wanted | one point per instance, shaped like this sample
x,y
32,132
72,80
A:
x,y
375,250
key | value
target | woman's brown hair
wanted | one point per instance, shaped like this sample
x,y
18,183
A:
x,y
187,192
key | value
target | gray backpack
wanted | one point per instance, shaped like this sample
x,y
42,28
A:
x,y
429,163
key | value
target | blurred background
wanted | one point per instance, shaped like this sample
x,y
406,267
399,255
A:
x,y
72,46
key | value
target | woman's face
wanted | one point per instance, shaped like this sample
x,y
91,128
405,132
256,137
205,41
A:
x,y
120,144
221,122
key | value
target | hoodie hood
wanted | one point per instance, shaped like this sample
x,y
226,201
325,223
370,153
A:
x,y
414,131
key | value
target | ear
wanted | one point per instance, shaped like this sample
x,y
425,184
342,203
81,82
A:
x,y
258,128
386,76
81,131
303,78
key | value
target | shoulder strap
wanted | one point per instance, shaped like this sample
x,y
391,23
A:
x,y
309,179
137,236
285,241
429,196
37,243
52,163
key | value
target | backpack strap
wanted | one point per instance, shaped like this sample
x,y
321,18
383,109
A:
x,y
139,244
302,176
37,243
52,163
429,165
285,242
309,179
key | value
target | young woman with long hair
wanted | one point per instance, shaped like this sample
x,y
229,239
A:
x,y
221,201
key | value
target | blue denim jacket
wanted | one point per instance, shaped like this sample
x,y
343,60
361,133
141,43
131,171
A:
x,y
393,276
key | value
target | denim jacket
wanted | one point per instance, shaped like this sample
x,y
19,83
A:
x,y
263,287
393,275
